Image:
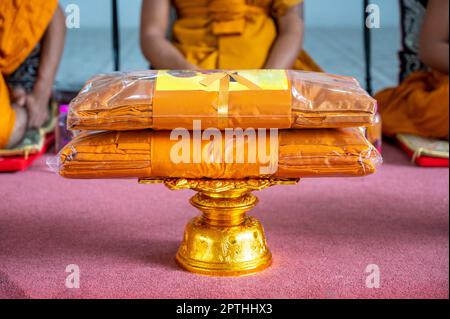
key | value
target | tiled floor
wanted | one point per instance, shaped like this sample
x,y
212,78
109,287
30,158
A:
x,y
340,51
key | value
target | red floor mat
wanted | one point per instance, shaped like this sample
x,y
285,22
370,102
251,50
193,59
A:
x,y
21,163
425,161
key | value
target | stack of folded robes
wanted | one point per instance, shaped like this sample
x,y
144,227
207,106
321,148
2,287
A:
x,y
220,125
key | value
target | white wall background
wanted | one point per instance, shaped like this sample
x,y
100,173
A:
x,y
348,13
319,13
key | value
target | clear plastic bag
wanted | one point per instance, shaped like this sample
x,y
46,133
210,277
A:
x,y
157,154
165,100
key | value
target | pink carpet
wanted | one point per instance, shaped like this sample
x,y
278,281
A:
x,y
322,233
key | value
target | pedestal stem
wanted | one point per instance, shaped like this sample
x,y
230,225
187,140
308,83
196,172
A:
x,y
225,209
223,241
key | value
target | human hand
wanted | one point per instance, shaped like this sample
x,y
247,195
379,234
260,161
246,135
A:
x,y
38,111
18,97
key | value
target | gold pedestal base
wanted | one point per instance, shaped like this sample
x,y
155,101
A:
x,y
231,251
224,241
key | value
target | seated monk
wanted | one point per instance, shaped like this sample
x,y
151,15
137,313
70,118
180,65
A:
x,y
31,45
420,104
225,34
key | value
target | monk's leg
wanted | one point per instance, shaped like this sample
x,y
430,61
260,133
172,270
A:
x,y
7,114
418,106
20,127
18,98
14,102
434,109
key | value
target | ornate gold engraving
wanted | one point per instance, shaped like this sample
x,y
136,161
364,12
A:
x,y
223,241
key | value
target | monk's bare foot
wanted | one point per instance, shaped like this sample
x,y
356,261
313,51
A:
x,y
18,98
20,127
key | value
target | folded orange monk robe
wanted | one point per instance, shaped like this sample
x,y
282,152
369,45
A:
x,y
284,154
165,100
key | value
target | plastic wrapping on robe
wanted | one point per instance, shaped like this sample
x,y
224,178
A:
x,y
162,154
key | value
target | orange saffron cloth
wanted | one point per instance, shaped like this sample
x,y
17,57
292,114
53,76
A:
x,y
147,154
231,34
418,106
129,101
22,25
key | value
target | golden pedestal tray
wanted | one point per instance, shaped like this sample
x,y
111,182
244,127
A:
x,y
223,241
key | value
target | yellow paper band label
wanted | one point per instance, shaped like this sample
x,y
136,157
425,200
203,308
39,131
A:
x,y
273,80
222,99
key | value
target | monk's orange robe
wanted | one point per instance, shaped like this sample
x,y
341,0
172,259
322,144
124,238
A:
x,y
231,34
270,98
22,24
147,153
419,106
